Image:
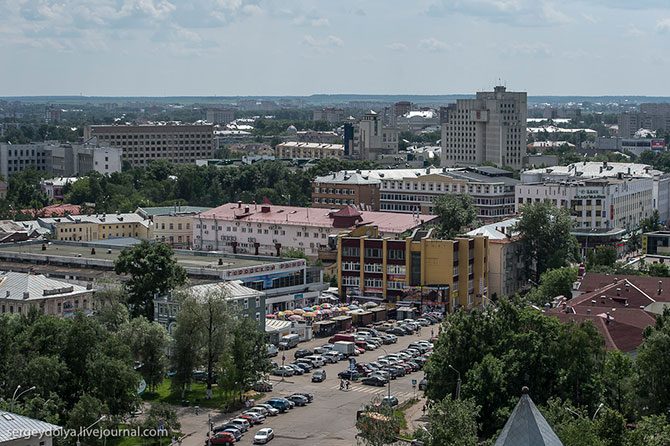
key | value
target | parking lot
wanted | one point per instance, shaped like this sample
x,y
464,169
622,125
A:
x,y
331,417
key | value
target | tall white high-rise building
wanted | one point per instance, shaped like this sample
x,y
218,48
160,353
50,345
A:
x,y
491,127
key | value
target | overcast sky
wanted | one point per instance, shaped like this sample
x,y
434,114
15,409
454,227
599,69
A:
x,y
301,47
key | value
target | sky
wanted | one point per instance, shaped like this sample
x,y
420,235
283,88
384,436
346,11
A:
x,y
303,47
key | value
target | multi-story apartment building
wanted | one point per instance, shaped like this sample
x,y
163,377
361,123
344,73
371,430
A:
x,y
656,243
491,127
87,228
660,184
19,157
506,265
652,116
329,115
171,224
373,139
415,190
452,273
271,230
308,150
141,144
220,115
345,188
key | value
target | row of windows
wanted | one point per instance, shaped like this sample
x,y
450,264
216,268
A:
x,y
179,226
333,201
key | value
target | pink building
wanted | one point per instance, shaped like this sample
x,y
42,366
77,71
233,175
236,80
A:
x,y
265,229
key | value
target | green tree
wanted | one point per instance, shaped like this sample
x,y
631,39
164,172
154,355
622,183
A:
x,y
553,283
653,367
148,342
611,427
451,422
658,270
651,223
86,412
455,212
152,270
164,415
206,319
650,431
571,424
546,240
378,424
602,255
619,383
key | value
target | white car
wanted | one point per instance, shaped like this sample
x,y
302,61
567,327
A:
x,y
263,436
271,410
317,360
256,415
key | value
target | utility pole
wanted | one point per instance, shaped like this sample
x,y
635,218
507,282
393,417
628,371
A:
x,y
458,382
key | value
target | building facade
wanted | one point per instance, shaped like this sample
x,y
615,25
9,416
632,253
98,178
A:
x,y
373,139
87,228
273,230
308,150
506,266
22,292
345,188
141,144
246,301
448,273
18,430
329,115
489,128
220,115
415,190
171,224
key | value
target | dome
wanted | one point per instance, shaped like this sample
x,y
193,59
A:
x,y
291,129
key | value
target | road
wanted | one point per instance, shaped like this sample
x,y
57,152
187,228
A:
x,y
330,419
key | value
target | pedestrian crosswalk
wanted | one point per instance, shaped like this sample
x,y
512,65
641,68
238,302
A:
x,y
375,391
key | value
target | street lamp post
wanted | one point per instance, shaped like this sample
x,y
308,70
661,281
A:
x,y
16,397
458,382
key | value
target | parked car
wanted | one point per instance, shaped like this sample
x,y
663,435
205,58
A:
x,y
299,400
252,419
272,350
317,360
261,410
325,348
224,427
262,386
221,439
283,371
390,401
279,404
236,433
241,424
305,363
263,436
296,368
301,353
309,396
374,380
271,410
349,374
332,357
382,374
423,384
257,417
319,376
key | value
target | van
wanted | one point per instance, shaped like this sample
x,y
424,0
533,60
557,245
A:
x,y
289,341
341,337
317,360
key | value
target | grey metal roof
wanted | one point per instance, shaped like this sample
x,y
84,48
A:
x,y
14,427
13,286
233,290
479,178
527,427
170,210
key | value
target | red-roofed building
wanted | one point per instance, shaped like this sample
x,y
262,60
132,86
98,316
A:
x,y
55,210
266,229
620,307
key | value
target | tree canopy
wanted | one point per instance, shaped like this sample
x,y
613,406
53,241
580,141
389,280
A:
x,y
455,212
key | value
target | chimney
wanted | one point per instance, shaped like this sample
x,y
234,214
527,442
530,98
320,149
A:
x,y
660,287
265,209
618,291
89,286
26,295
7,294
239,205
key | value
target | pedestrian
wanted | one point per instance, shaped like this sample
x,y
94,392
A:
x,y
431,333
346,384
341,384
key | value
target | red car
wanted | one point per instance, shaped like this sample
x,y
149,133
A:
x,y
221,439
249,418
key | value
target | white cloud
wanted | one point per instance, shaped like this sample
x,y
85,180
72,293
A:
x,y
433,45
327,42
511,12
634,31
663,25
397,46
527,49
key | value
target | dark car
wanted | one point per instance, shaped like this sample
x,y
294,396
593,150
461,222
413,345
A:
x,y
374,381
397,331
299,400
305,364
309,396
302,352
296,368
225,427
281,404
392,371
423,384
319,376
391,401
349,374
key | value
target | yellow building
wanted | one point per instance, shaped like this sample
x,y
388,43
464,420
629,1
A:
x,y
449,273
86,228
171,224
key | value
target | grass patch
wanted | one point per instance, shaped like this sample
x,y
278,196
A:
x,y
195,396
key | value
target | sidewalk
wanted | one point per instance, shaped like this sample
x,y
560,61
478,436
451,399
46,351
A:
x,y
415,416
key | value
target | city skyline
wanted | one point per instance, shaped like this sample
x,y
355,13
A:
x,y
241,47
